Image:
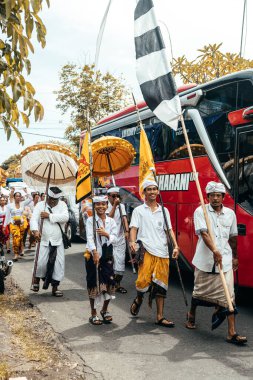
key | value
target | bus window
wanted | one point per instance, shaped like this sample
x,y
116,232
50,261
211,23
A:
x,y
245,171
245,94
217,100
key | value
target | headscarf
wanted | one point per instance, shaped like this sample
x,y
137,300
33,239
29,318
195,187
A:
x,y
215,187
148,183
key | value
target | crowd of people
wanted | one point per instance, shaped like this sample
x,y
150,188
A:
x,y
147,236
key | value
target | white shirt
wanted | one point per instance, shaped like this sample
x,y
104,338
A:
x,y
117,219
51,231
110,227
151,229
224,226
2,214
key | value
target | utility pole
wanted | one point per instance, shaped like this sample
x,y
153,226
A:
x,y
243,20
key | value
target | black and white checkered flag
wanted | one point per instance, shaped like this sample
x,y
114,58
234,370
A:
x,y
153,68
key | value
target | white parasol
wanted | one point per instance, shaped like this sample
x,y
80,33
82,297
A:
x,y
37,160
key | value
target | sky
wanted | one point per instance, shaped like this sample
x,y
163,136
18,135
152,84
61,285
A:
x,y
72,30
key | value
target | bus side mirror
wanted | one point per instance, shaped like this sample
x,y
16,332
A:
x,y
248,113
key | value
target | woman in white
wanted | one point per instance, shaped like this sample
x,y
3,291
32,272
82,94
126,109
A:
x,y
17,223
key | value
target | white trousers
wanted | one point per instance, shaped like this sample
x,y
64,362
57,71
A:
x,y
59,266
119,254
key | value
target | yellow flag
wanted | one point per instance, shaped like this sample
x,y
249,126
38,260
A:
x,y
83,177
146,164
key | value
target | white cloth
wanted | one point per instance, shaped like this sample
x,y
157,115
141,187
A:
x,y
51,231
151,229
110,227
119,256
224,226
113,190
120,231
2,214
148,183
59,266
119,246
12,211
215,187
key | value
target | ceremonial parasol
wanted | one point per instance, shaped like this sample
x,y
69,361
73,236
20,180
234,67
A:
x,y
37,160
111,155
43,164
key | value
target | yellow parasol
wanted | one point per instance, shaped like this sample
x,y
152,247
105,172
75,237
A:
x,y
111,155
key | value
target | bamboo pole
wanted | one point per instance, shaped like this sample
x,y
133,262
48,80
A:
x,y
223,280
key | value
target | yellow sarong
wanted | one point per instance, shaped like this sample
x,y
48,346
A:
x,y
153,269
17,237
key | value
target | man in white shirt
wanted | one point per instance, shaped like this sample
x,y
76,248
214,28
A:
x,y
119,246
148,226
51,261
208,289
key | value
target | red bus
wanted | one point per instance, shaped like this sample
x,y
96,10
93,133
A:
x,y
219,123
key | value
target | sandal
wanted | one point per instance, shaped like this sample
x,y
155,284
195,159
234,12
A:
x,y
107,318
136,307
237,339
35,287
190,322
57,293
94,320
162,322
121,290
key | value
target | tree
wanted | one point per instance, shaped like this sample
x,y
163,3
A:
x,y
12,165
18,19
210,64
89,96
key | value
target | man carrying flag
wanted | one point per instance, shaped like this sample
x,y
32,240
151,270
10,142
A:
x,y
148,229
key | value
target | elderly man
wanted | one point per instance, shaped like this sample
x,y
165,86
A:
x,y
50,266
148,227
208,289
119,246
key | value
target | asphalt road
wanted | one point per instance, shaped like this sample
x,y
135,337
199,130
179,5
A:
x,y
134,348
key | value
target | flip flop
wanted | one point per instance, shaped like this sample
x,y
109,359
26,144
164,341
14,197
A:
x,y
168,325
237,339
137,308
94,320
107,318
121,290
35,287
57,293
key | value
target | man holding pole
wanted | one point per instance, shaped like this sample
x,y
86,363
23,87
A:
x,y
148,227
119,246
208,289
51,261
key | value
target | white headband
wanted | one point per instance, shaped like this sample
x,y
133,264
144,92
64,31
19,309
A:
x,y
100,198
53,195
148,183
113,190
215,187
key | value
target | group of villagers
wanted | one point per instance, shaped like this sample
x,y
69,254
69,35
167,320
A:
x,y
15,214
108,234
147,237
